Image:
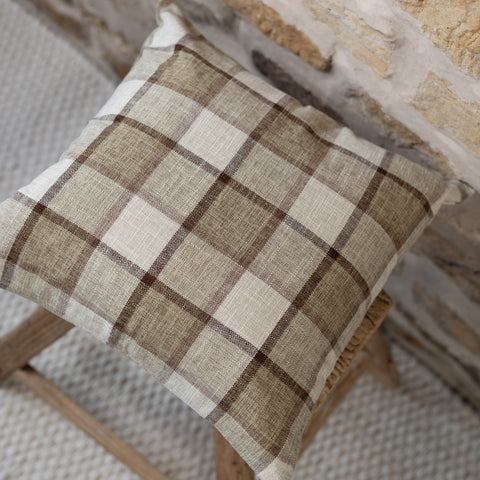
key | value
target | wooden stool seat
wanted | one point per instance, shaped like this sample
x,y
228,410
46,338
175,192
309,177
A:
x,y
366,350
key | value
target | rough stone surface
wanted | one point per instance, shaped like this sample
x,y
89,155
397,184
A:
x,y
388,126
284,81
109,31
437,322
269,22
368,44
441,330
452,243
453,26
441,107
379,58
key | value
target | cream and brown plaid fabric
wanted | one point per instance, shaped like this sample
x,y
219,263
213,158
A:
x,y
220,235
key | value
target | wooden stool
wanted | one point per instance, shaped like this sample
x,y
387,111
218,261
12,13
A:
x,y
367,350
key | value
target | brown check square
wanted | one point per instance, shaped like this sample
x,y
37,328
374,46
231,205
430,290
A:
x,y
198,272
127,141
266,392
198,78
342,295
51,251
399,223
291,140
279,180
300,331
287,261
159,317
233,222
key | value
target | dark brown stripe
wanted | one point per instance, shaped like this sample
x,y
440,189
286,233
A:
x,y
135,270
190,156
410,188
234,121
27,228
325,265
334,255
250,194
134,185
222,180
239,386
182,232
33,218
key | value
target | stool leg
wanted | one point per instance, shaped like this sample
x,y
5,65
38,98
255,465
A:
x,y
229,464
28,339
375,358
326,406
381,365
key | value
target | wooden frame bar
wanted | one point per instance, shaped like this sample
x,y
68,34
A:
x,y
37,332
101,434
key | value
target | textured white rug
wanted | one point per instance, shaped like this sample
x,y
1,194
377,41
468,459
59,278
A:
x,y
419,431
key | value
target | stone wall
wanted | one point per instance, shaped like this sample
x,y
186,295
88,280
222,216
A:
x,y
108,31
436,293
402,73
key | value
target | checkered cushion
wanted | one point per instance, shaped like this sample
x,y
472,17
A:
x,y
220,235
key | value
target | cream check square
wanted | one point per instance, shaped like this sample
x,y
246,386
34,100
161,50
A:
x,y
123,94
213,139
173,30
175,107
140,233
322,210
347,139
191,395
252,309
40,185
258,85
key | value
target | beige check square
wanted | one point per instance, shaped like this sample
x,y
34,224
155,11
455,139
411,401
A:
x,y
200,364
249,301
285,268
140,233
177,185
279,181
238,105
322,210
300,366
109,299
176,111
202,138
95,196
